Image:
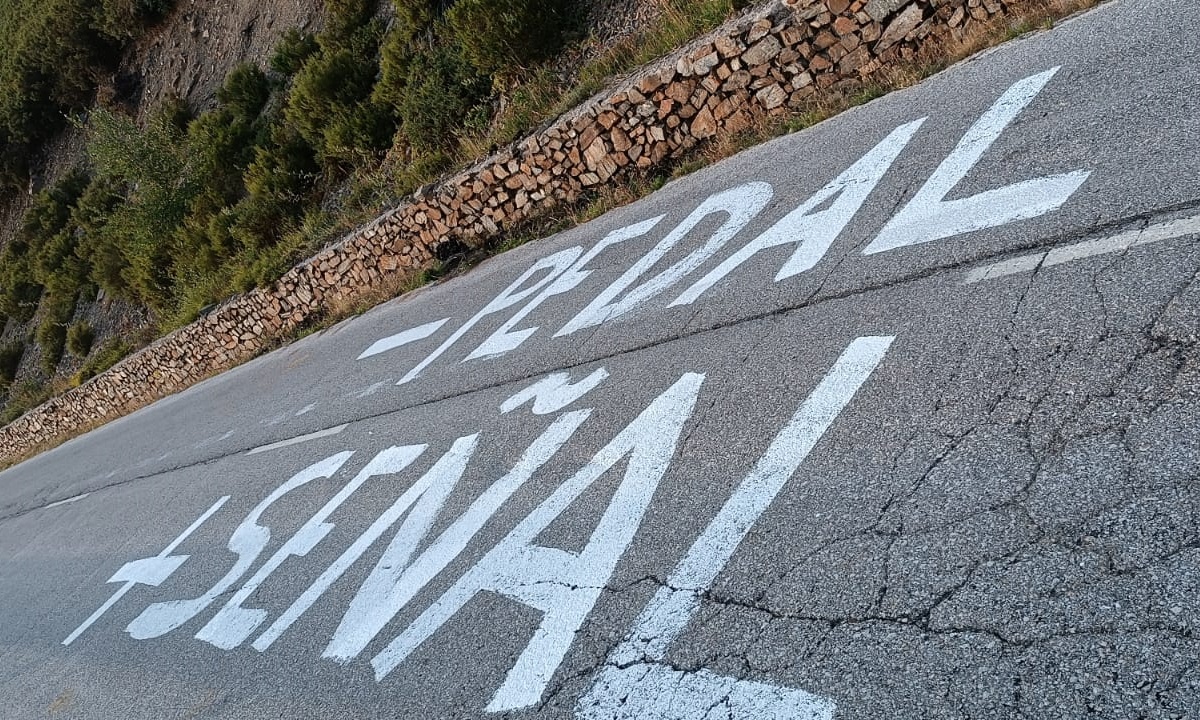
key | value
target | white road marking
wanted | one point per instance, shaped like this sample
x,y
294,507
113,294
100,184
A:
x,y
247,542
68,501
1089,248
148,571
400,583
929,216
371,389
657,692
548,267
741,204
233,623
636,683
300,439
1014,266
562,585
505,339
393,582
553,393
403,338
810,231
306,409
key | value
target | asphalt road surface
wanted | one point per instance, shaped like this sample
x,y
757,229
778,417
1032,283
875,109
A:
x,y
896,417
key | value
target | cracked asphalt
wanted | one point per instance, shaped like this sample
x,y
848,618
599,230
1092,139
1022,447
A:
x,y
1001,518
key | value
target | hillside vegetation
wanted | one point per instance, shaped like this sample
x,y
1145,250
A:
x,y
52,55
183,209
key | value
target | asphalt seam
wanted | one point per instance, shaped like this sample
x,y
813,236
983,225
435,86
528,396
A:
x,y
813,300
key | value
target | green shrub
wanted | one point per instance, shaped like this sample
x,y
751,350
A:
x,y
152,166
107,355
51,333
24,398
80,337
293,49
10,361
410,32
245,91
412,16
98,252
330,107
19,293
502,37
53,55
51,337
344,19
439,93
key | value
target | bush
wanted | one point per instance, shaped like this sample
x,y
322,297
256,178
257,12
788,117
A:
x,y
10,361
330,107
439,93
51,334
344,19
80,337
55,53
51,337
24,398
152,167
107,355
502,37
19,294
294,48
245,92
97,249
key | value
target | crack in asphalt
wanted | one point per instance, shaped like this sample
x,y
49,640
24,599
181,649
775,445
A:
x,y
814,299
1033,386
1061,542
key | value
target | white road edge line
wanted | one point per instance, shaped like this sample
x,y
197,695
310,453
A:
x,y
68,501
300,439
1088,248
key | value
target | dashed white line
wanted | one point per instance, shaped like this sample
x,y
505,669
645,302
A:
x,y
1086,249
68,501
300,439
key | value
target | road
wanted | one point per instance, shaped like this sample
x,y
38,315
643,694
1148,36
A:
x,y
898,416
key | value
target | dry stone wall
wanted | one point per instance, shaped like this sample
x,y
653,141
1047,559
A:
x,y
776,57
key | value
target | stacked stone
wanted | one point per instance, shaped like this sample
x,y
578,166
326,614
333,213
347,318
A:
x,y
775,58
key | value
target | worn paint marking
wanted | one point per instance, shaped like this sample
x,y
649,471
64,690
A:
x,y
1089,248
